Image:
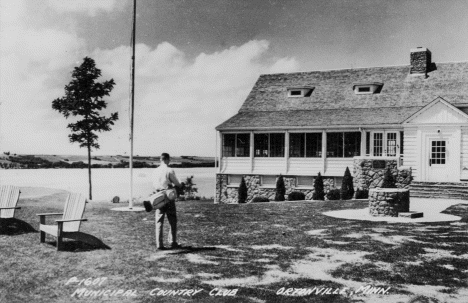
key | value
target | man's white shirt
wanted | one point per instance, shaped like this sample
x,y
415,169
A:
x,y
163,176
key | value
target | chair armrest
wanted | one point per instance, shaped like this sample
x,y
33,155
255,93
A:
x,y
49,214
71,220
10,207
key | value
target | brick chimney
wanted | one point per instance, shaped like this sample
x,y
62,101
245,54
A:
x,y
420,60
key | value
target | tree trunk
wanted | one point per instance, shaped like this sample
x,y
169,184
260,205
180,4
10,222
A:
x,y
89,173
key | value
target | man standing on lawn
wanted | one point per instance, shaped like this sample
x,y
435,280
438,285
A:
x,y
164,179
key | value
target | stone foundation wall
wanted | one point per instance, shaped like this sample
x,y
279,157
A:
x,y
229,195
367,176
388,202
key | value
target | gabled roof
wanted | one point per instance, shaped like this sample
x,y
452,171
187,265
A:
x,y
334,96
438,111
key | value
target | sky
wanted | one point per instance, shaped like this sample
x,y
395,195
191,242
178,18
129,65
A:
x,y
196,60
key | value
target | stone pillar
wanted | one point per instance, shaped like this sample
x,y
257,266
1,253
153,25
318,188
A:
x,y
388,202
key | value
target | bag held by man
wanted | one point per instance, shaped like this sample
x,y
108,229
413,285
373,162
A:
x,y
161,198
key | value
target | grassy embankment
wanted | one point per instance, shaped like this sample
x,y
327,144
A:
x,y
257,248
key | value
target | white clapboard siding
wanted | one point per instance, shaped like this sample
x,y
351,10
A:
x,y
412,152
337,166
464,152
305,166
235,165
269,166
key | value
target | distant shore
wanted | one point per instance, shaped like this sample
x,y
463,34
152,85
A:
x,y
14,161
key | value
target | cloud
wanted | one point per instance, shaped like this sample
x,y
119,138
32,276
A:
x,y
92,8
179,100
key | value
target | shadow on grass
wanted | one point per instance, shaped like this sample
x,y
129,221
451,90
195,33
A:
x,y
191,249
81,242
13,226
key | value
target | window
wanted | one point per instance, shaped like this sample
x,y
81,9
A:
x,y
386,144
314,145
268,180
229,145
243,145
303,91
296,145
367,88
305,181
276,145
401,143
236,145
269,145
345,145
261,145
305,144
234,179
391,144
363,89
438,152
378,144
296,93
367,143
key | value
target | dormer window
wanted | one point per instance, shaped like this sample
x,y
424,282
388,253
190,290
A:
x,y
300,91
367,88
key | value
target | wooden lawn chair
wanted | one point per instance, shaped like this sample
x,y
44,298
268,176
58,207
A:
x,y
69,226
9,196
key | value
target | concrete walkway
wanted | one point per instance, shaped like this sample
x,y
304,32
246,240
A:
x,y
431,208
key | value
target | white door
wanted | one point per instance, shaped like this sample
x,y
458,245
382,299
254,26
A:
x,y
439,164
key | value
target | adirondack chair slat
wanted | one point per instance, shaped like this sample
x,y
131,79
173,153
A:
x,y
9,196
73,210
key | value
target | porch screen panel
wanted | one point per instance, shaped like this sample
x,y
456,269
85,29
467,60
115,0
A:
x,y
352,144
314,145
335,145
367,143
296,145
277,145
229,144
243,145
261,145
378,144
391,144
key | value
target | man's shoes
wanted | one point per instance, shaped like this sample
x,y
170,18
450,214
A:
x,y
148,206
175,246
162,248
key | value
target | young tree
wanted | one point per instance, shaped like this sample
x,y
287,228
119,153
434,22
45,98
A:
x,y
388,181
84,98
319,193
347,187
242,192
280,189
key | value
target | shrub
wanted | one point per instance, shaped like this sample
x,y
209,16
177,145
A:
x,y
242,191
260,199
296,196
347,188
388,181
319,193
333,194
280,189
362,193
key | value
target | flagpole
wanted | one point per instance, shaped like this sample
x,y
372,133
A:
x,y
132,106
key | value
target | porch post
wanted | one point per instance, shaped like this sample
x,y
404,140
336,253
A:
x,y
286,152
324,151
251,152
363,142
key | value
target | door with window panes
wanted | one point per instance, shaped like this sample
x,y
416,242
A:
x,y
385,143
438,161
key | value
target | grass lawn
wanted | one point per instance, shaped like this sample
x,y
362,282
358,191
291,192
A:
x,y
257,249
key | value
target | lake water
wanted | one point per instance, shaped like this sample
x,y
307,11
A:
x,y
107,183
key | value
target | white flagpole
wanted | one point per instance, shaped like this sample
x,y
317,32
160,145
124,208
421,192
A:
x,y
132,107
